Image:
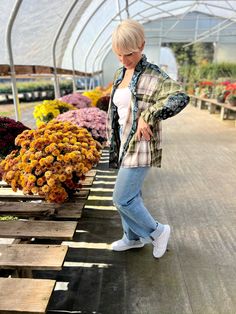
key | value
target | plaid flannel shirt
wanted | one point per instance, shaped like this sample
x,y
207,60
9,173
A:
x,y
154,97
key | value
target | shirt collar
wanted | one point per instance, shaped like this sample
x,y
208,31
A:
x,y
139,68
141,64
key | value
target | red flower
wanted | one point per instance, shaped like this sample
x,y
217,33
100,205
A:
x,y
206,83
231,87
225,83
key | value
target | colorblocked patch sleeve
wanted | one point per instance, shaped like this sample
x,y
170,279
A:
x,y
168,101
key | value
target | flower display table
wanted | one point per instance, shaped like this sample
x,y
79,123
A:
x,y
212,105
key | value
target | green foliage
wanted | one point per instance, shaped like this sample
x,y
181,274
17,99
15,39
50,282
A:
x,y
196,63
216,70
213,72
203,53
193,55
183,55
232,97
31,86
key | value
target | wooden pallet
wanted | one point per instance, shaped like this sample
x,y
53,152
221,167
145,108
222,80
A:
x,y
20,295
28,206
24,206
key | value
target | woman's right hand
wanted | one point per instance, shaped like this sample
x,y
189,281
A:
x,y
143,130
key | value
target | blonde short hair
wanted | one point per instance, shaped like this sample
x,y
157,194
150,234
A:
x,y
128,37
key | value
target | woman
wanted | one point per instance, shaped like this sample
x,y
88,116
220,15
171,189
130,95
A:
x,y
141,97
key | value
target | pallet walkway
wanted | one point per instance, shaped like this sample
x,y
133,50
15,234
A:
x,y
24,295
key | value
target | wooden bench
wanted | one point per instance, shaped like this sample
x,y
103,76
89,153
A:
x,y
225,111
55,230
198,101
212,105
28,296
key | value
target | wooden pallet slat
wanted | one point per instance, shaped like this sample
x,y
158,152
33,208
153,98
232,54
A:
x,y
11,196
70,210
88,181
8,193
29,296
83,193
26,209
91,173
32,256
43,209
55,230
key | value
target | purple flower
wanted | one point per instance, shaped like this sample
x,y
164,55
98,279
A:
x,y
92,118
76,99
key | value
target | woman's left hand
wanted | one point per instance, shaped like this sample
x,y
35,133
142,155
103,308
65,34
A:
x,y
143,130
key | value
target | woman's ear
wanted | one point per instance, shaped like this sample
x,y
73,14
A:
x,y
142,47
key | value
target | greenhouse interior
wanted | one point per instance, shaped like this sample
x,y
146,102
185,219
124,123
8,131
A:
x,y
117,154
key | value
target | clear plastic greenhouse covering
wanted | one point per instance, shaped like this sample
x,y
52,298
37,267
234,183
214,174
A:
x,y
88,28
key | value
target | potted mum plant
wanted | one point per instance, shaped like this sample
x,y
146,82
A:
x,y
9,129
51,160
232,99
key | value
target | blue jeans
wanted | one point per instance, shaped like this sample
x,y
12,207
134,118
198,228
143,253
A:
x,y
136,220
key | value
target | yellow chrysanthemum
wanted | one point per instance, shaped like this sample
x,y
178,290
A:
x,y
45,188
40,182
51,182
32,178
48,174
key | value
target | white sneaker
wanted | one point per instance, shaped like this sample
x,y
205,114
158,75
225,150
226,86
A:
x,y
160,243
125,244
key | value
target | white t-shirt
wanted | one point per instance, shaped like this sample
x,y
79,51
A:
x,y
122,99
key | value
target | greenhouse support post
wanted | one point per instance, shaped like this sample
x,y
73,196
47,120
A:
x,y
56,82
11,60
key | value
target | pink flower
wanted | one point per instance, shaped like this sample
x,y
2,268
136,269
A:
x,y
76,99
93,119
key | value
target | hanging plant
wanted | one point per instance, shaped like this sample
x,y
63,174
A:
x,y
51,160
